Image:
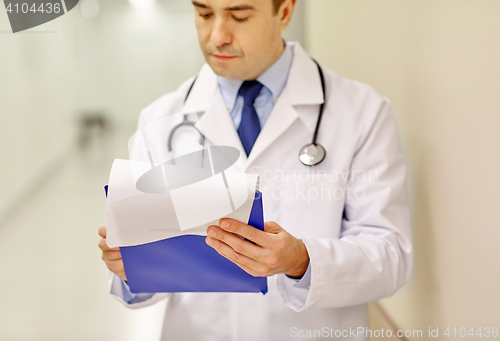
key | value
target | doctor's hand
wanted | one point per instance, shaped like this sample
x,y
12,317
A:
x,y
111,256
275,251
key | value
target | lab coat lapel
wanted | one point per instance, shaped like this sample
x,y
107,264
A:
x,y
303,88
218,127
282,116
215,122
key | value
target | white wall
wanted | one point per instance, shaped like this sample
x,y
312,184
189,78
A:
x,y
438,61
35,102
116,63
296,30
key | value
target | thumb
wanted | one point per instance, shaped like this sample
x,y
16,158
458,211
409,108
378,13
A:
x,y
272,227
102,231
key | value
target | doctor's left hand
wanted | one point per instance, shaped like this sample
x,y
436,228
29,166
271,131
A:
x,y
275,251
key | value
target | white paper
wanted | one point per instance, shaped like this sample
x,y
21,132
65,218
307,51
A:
x,y
135,217
160,194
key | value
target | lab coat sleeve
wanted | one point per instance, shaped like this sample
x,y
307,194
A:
x,y
295,291
121,291
304,282
373,256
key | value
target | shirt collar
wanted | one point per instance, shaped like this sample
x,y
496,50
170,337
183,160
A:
x,y
274,78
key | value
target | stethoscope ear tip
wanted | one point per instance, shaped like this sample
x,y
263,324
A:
x,y
312,154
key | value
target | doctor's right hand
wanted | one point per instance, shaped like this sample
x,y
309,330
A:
x,y
111,256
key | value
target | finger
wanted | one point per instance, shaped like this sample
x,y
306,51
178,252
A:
x,y
226,251
272,227
237,243
116,267
249,232
249,271
102,231
111,255
104,247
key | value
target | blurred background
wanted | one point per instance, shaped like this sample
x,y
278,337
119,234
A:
x,y
70,94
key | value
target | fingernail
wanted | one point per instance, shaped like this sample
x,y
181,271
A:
x,y
212,233
224,224
210,241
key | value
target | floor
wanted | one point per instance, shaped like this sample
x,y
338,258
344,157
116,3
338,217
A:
x,y
54,285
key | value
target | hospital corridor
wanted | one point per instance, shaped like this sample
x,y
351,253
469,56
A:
x,y
71,92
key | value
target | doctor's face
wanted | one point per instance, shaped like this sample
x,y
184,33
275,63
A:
x,y
241,38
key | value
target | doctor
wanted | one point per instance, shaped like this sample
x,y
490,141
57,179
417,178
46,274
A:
x,y
337,234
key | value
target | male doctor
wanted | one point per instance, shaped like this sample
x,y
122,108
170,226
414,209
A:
x,y
337,234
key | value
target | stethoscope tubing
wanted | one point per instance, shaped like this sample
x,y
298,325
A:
x,y
185,122
322,106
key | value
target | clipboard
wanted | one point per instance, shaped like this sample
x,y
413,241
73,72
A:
x,y
187,264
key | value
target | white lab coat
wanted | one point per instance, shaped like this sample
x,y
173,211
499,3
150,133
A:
x,y
360,245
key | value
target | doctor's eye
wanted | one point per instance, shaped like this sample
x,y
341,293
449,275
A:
x,y
206,16
240,19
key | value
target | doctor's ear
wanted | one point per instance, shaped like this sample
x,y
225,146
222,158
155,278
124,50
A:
x,y
285,12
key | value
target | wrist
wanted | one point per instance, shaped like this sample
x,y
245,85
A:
x,y
301,263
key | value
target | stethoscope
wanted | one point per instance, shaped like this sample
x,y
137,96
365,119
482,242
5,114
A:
x,y
311,154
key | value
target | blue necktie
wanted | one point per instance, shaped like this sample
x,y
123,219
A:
x,y
249,127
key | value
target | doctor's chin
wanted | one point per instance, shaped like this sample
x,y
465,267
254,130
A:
x,y
242,170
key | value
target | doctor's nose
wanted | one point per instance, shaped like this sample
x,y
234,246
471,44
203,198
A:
x,y
221,35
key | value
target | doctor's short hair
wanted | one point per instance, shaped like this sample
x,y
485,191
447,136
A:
x,y
276,5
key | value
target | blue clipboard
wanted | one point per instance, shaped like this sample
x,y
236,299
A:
x,y
187,264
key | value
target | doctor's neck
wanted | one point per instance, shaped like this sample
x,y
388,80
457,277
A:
x,y
278,52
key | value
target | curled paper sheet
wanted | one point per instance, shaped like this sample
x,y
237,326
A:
x,y
136,217
181,196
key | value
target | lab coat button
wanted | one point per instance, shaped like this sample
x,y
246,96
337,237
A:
x,y
311,305
308,286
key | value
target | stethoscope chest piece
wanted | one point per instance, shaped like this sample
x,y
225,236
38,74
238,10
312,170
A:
x,y
312,154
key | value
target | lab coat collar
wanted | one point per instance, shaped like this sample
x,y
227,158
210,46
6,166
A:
x,y
203,91
304,86
304,83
